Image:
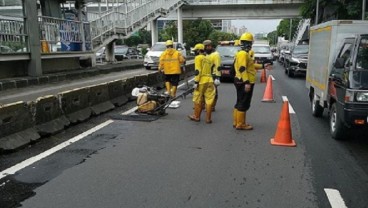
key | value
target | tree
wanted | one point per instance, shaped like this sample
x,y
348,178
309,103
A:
x,y
283,29
141,37
331,9
170,32
272,37
217,36
196,31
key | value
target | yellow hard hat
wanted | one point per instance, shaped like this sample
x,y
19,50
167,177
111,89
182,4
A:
x,y
169,42
198,46
246,37
237,42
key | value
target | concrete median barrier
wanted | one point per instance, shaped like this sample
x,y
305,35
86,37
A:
x,y
116,93
152,79
16,126
49,116
99,99
75,104
141,80
129,85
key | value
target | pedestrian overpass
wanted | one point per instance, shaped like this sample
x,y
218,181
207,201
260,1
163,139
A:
x,y
106,23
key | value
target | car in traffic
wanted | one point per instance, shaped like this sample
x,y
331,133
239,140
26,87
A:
x,y
296,61
227,53
152,57
121,52
262,53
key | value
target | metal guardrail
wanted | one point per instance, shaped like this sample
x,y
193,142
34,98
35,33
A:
x,y
64,35
235,2
13,37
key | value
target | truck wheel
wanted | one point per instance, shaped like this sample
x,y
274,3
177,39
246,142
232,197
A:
x,y
317,110
337,127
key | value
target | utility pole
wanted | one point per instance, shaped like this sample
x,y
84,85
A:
x,y
317,9
363,9
291,25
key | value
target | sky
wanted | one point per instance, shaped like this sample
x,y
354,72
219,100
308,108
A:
x,y
257,26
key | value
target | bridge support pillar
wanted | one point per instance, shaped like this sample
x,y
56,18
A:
x,y
154,32
34,43
180,25
110,55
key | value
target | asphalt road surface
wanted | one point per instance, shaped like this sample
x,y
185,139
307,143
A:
x,y
174,162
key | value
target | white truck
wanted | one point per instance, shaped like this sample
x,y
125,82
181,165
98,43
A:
x,y
337,74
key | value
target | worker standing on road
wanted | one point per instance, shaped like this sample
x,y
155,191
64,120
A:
x,y
204,87
216,59
245,77
170,62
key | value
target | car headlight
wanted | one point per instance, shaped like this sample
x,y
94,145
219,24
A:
x,y
362,96
148,58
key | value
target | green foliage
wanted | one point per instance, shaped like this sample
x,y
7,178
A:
x,y
196,31
217,36
335,9
170,32
142,37
283,29
272,37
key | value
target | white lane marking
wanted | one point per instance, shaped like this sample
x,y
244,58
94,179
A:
x,y
273,78
291,109
36,158
51,151
335,198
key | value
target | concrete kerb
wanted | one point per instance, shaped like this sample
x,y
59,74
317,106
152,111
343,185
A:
x,y
75,104
141,80
48,115
16,126
99,99
116,92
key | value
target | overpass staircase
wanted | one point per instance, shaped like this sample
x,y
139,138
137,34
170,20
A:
x,y
302,29
125,19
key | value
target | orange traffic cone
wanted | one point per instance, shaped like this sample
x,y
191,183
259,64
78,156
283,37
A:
x,y
263,76
268,94
283,133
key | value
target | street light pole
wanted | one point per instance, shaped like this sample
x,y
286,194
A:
x,y
363,9
317,9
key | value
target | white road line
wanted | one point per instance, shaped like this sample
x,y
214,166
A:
x,y
273,78
291,109
335,198
36,158
51,151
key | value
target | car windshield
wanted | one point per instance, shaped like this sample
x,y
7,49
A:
x,y
301,49
160,47
121,50
261,49
362,56
227,51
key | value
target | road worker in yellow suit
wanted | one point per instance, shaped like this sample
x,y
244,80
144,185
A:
x,y
247,72
216,59
204,87
170,62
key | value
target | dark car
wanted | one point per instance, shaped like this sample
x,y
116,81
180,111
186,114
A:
x,y
121,52
227,53
296,61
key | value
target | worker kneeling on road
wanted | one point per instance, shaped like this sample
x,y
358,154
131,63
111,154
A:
x,y
170,62
204,87
216,60
242,65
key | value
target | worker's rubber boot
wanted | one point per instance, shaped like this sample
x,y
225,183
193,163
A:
x,y
208,114
197,113
240,123
173,91
234,117
168,88
214,105
249,127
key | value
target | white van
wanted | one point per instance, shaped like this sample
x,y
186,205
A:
x,y
262,53
152,58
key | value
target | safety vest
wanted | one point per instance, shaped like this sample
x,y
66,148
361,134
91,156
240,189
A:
x,y
242,59
216,59
252,69
170,61
203,66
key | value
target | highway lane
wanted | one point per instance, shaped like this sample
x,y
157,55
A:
x,y
173,162
340,165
